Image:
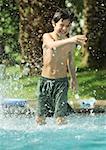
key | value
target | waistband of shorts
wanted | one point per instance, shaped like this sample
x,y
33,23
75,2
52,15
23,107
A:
x,y
55,79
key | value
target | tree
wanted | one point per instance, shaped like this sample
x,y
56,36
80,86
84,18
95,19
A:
x,y
9,20
95,27
35,19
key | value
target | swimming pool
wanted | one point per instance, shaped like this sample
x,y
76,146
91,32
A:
x,y
83,132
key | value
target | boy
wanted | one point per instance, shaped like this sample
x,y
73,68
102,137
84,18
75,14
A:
x,y
57,57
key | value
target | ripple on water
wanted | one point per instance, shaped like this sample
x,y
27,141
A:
x,y
80,132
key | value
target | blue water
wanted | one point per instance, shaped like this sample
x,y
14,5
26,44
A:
x,y
83,132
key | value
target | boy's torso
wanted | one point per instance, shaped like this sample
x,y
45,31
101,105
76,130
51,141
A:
x,y
55,62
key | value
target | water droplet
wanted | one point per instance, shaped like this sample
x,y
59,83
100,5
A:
x,y
62,63
6,4
79,47
69,4
90,47
103,18
78,137
102,5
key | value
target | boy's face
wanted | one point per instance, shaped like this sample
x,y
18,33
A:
x,y
62,27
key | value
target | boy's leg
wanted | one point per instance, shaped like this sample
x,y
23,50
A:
x,y
60,121
44,105
61,103
44,110
40,120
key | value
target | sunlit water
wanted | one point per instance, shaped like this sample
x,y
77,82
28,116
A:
x,y
83,132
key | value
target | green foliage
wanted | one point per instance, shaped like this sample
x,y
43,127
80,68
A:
x,y
76,7
93,84
9,27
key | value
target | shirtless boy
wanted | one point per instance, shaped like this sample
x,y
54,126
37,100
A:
x,y
57,57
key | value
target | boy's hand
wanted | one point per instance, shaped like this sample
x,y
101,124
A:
x,y
79,39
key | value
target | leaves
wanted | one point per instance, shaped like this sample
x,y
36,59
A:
x,y
9,25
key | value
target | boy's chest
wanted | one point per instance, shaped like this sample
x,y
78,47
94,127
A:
x,y
63,51
58,54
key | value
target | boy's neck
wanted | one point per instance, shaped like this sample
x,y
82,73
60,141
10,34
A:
x,y
56,36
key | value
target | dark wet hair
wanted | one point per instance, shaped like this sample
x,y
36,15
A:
x,y
63,14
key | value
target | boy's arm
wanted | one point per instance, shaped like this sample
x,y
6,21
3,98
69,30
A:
x,y
71,68
50,43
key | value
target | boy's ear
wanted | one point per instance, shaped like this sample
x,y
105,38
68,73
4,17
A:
x,y
53,23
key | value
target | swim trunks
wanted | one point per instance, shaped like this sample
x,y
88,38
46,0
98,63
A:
x,y
52,97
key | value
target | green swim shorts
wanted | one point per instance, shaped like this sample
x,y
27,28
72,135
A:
x,y
52,97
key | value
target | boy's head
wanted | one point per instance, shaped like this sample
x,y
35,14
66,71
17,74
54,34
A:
x,y
63,14
61,21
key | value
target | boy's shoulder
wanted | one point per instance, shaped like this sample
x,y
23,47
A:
x,y
48,36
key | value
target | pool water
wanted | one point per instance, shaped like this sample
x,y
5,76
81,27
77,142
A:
x,y
82,132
